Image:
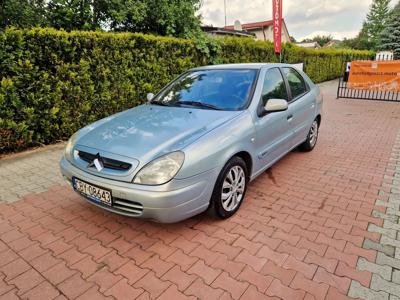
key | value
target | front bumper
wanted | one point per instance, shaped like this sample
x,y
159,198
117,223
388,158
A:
x,y
174,201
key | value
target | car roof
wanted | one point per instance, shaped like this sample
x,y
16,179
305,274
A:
x,y
240,66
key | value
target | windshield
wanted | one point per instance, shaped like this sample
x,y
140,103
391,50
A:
x,y
210,89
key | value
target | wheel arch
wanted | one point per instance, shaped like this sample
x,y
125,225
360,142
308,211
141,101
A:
x,y
247,159
318,118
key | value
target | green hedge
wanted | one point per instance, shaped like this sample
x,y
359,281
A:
x,y
54,82
321,65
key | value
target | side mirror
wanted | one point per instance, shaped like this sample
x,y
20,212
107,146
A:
x,y
275,105
150,96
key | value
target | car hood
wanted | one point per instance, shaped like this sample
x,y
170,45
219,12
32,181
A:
x,y
148,131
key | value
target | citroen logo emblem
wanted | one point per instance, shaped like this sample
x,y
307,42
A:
x,y
97,162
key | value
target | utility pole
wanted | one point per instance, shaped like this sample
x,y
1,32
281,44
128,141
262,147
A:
x,y
225,10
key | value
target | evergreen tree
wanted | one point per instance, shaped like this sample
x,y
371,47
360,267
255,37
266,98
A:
x,y
390,36
375,23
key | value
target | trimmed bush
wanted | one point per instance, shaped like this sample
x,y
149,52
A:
x,y
54,82
320,65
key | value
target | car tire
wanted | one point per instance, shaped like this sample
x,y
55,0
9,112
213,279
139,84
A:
x,y
222,205
312,137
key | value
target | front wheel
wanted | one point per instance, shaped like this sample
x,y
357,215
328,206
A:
x,y
312,137
230,188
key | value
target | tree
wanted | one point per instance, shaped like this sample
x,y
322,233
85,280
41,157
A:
x,y
363,40
347,43
70,14
322,40
165,17
22,13
122,15
375,23
390,36
96,14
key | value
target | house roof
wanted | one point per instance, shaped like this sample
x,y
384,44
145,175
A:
x,y
253,25
224,31
332,43
309,45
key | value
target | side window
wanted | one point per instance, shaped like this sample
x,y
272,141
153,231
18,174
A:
x,y
274,86
296,82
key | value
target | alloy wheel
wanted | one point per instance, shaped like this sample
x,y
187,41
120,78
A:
x,y
233,188
313,133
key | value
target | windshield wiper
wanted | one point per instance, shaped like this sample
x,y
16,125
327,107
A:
x,y
159,103
198,104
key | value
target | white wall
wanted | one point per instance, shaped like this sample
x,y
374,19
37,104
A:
x,y
269,34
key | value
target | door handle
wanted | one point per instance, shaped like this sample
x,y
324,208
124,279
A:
x,y
289,117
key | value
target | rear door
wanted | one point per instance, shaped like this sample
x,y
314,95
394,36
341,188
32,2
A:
x,y
273,131
301,105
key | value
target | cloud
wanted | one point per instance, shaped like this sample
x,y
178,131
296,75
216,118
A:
x,y
340,35
340,18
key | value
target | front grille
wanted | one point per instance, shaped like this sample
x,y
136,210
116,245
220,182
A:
x,y
107,162
128,206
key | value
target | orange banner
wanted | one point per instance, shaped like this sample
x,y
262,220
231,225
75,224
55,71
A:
x,y
375,75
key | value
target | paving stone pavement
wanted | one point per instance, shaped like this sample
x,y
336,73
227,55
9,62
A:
x,y
385,283
34,171
318,225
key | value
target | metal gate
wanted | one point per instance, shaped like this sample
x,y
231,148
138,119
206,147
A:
x,y
343,91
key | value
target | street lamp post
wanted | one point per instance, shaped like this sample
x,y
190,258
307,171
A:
x,y
225,10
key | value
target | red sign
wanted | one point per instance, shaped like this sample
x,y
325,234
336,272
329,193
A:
x,y
277,18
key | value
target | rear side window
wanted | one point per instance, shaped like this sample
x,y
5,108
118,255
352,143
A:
x,y
296,82
274,86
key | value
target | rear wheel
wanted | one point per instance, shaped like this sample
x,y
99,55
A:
x,y
230,188
312,137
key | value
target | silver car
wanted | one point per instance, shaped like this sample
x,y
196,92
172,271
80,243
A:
x,y
197,144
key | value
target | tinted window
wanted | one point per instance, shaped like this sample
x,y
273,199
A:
x,y
296,82
223,89
274,87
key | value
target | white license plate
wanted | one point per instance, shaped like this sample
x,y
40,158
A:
x,y
92,192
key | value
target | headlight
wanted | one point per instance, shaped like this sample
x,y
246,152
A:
x,y
70,145
160,170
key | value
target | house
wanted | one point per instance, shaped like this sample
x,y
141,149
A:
x,y
333,43
221,32
263,30
309,45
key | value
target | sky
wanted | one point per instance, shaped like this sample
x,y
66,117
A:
x,y
304,18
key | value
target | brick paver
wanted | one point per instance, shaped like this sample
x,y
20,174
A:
x,y
36,171
385,282
317,225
